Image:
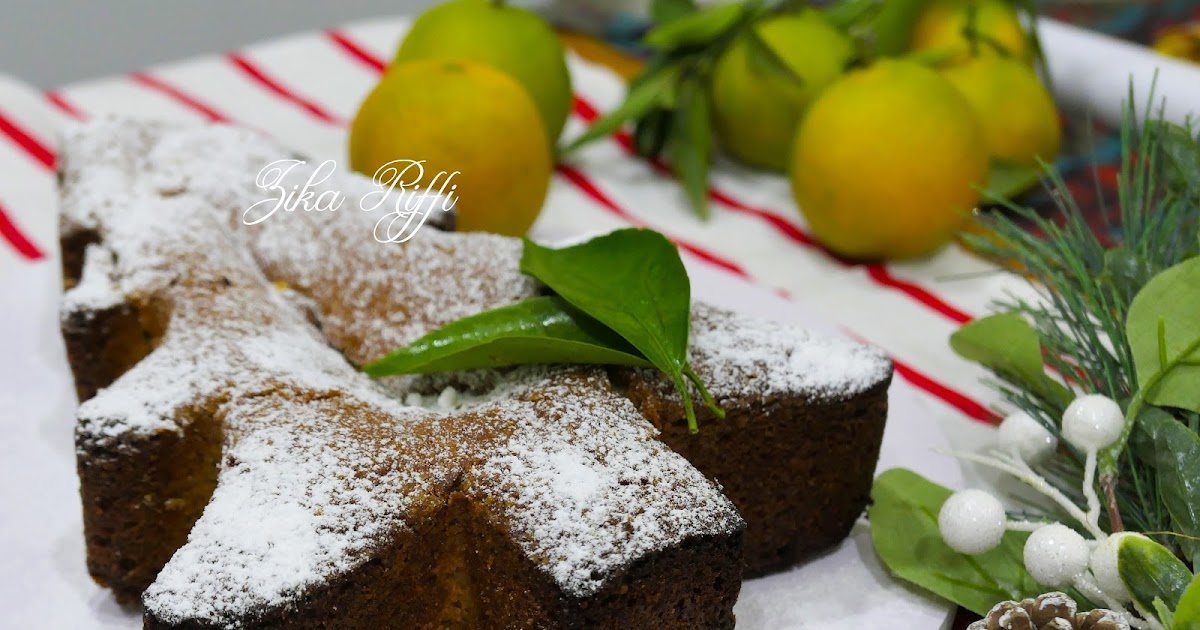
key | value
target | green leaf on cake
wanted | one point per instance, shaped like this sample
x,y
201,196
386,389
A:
x,y
632,281
1163,327
1151,571
1006,344
538,330
904,529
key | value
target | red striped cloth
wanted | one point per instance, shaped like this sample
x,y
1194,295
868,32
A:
x,y
303,90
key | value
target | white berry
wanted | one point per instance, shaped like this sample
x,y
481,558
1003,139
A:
x,y
1055,555
1019,432
972,521
1092,422
1104,566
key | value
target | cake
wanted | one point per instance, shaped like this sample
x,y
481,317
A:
x,y
237,471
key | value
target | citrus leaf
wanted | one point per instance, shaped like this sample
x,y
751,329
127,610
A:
x,y
644,268
1006,344
764,61
1007,180
892,26
538,330
1176,458
690,146
1149,570
904,530
1187,614
663,11
695,29
846,14
643,96
1163,326
651,132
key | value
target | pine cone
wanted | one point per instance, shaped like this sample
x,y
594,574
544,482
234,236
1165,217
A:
x,y
1052,611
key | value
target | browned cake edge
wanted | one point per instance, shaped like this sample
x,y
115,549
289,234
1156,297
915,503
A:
x,y
798,470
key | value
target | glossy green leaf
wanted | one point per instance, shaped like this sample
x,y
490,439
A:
x,y
651,92
904,530
1176,459
663,11
538,330
1187,613
696,29
1006,180
642,267
1163,327
690,146
1151,571
1008,345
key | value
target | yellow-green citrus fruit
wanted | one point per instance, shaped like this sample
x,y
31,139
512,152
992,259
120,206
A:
x,y
459,116
1019,119
755,110
885,161
511,39
941,28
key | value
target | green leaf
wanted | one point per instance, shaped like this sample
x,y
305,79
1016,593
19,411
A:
x,y
1187,613
763,60
1008,345
1163,327
644,269
651,132
663,11
538,330
1007,180
1151,571
1176,460
904,529
696,29
1126,271
892,26
690,146
1180,151
847,14
1163,613
644,95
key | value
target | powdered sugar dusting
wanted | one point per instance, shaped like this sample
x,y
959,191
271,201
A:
x,y
587,487
739,357
320,468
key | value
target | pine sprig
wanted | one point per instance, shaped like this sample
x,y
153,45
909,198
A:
x,y
1085,287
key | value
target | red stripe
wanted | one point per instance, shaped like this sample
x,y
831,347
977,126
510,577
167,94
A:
x,y
963,403
951,397
38,151
15,237
589,188
882,276
352,48
65,106
876,272
158,85
271,85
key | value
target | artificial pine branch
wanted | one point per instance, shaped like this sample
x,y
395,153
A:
x,y
1085,288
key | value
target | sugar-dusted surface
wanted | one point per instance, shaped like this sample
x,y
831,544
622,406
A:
x,y
585,485
320,468
739,357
